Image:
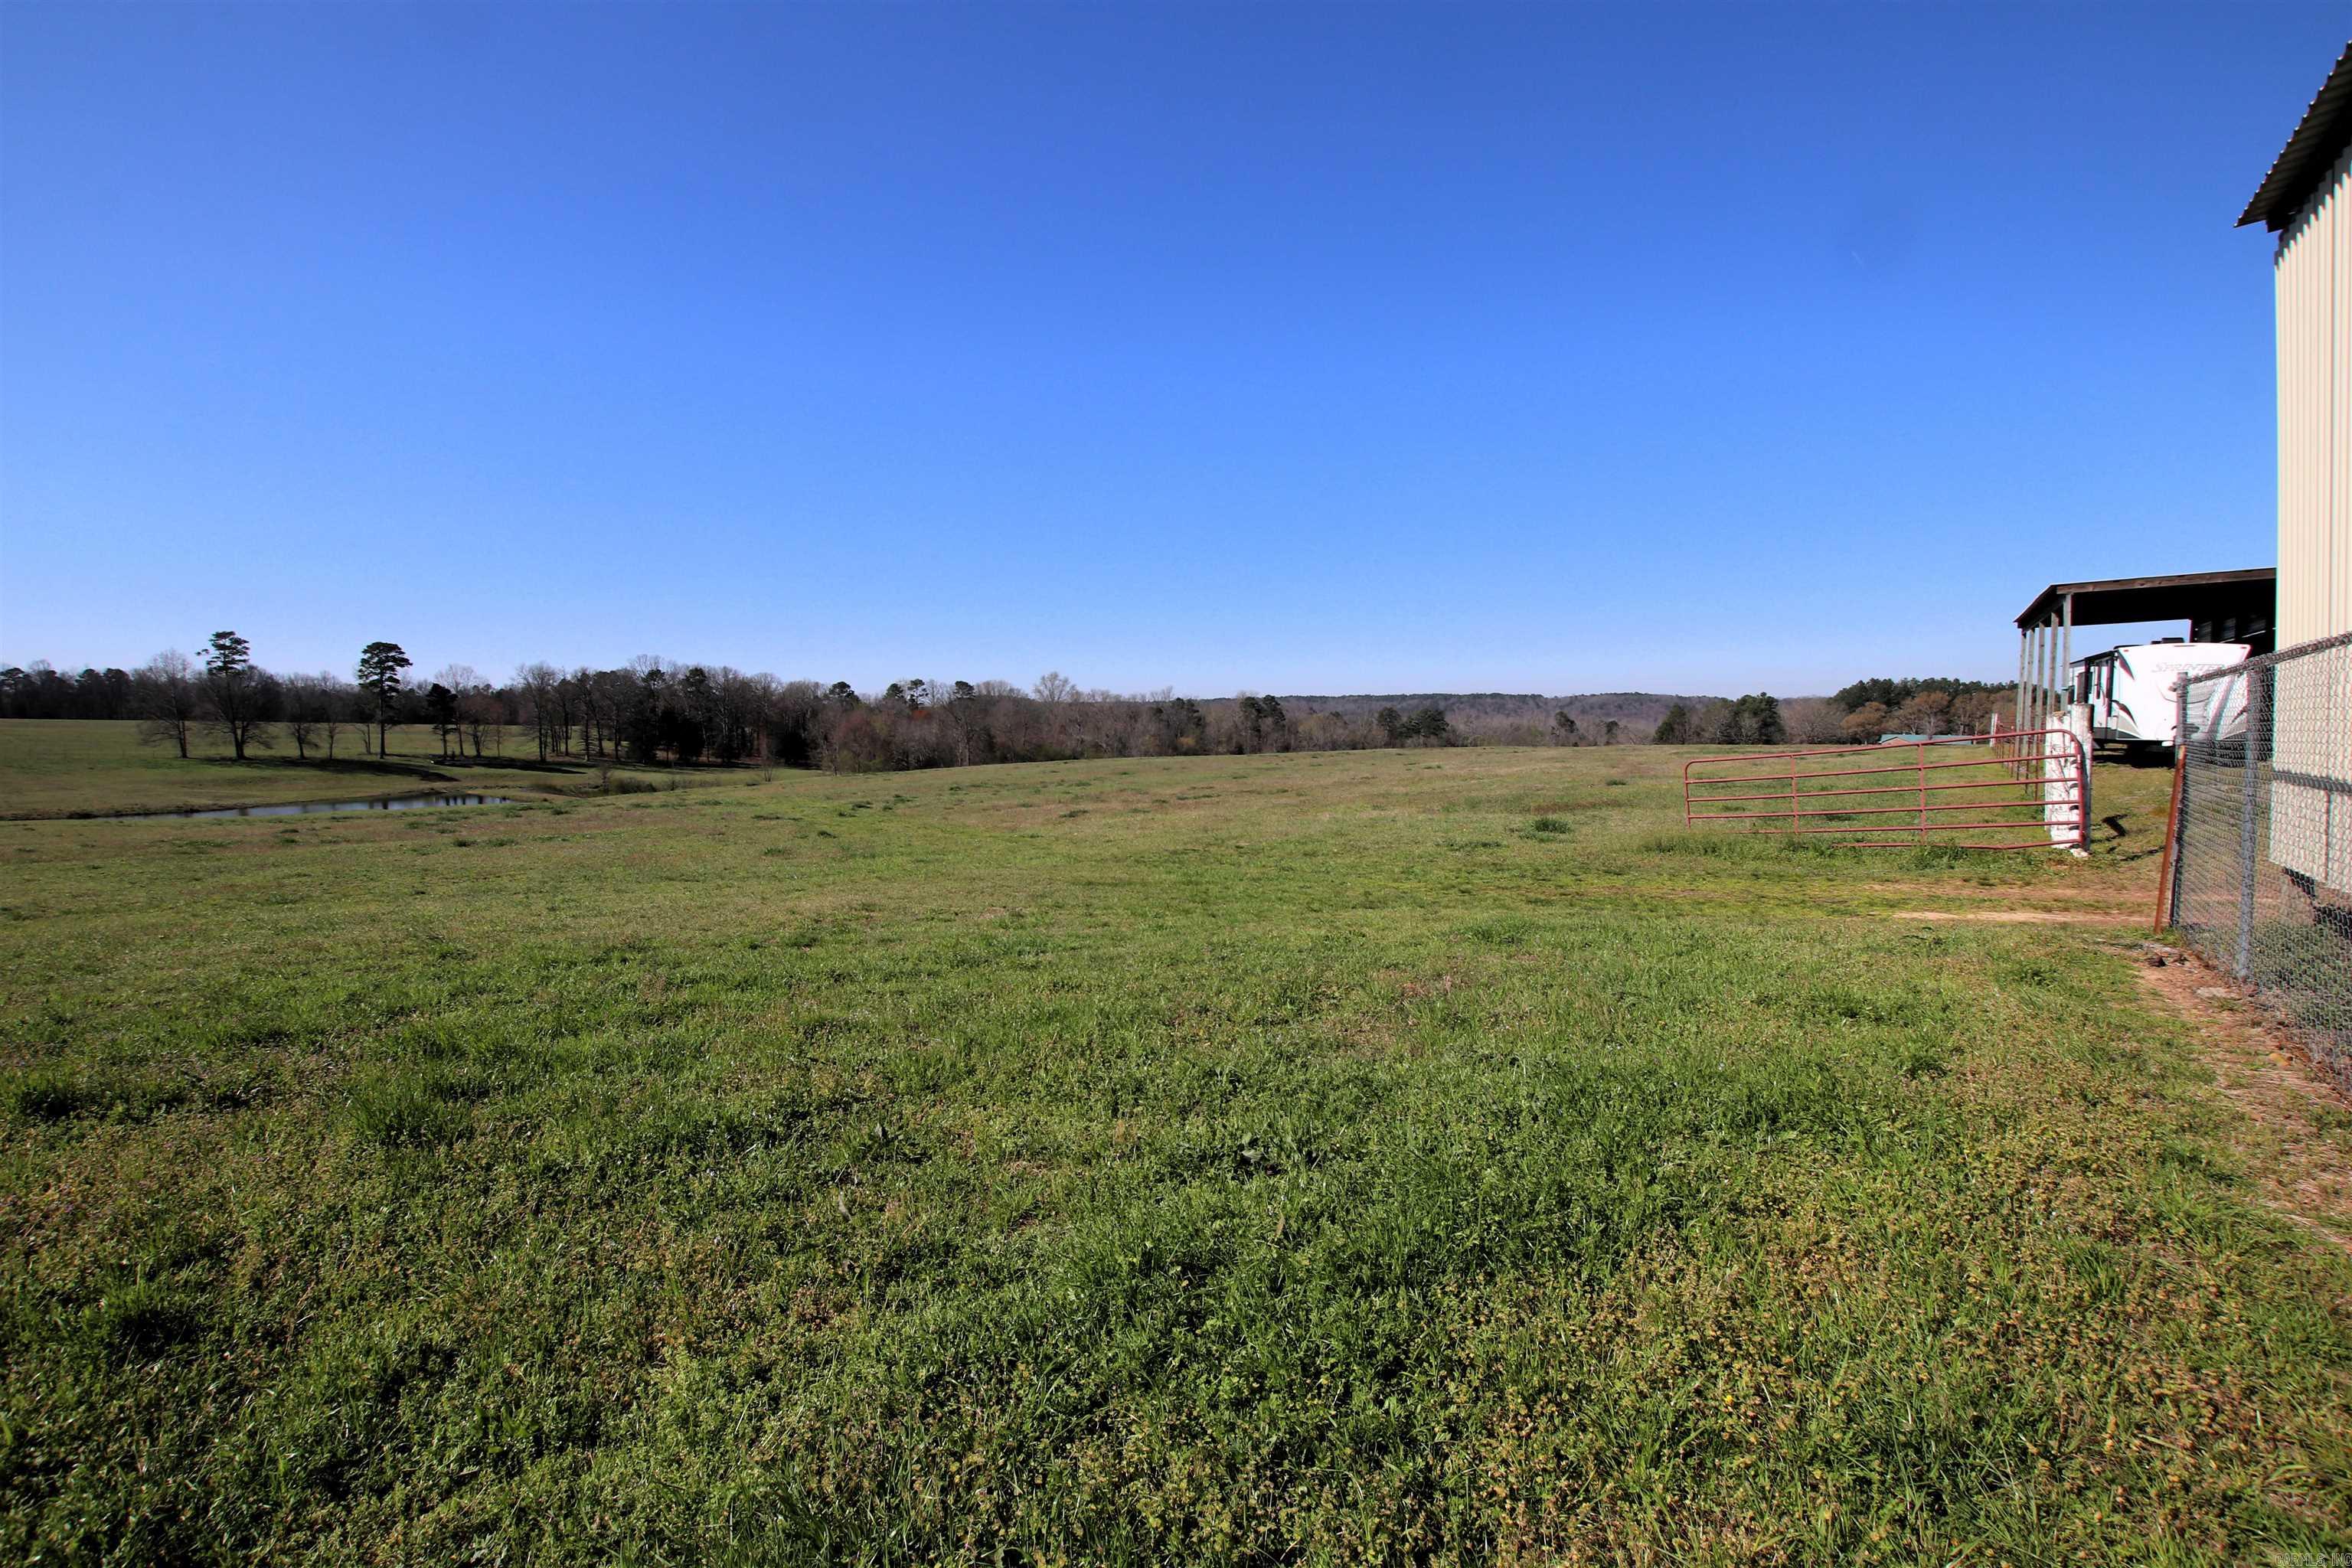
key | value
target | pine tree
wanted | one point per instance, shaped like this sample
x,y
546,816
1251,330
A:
x,y
379,676
237,693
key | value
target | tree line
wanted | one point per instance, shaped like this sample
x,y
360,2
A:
x,y
1755,719
657,710
1518,718
653,710
1918,706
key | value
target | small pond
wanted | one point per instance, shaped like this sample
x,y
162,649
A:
x,y
304,808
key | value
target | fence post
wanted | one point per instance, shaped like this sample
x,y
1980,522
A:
x,y
2078,724
1921,748
2168,869
2180,804
2246,834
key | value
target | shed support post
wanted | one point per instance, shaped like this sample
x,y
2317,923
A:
x,y
2066,650
2049,672
2032,674
2041,675
2017,707
2247,836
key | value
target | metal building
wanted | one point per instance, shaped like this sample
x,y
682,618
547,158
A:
x,y
2306,201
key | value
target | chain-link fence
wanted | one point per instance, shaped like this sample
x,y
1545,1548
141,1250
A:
x,y
2262,860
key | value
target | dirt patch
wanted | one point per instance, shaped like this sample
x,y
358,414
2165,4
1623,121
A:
x,y
2303,1163
2020,917
2053,896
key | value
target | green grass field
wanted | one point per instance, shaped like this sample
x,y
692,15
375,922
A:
x,y
1431,1156
94,768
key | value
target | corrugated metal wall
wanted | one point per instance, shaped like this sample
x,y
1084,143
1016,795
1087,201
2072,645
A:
x,y
2315,405
2310,833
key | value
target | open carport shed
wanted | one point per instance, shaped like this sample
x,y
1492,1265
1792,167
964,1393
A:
x,y
2219,606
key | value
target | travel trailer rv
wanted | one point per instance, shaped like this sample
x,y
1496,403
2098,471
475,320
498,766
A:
x,y
2130,692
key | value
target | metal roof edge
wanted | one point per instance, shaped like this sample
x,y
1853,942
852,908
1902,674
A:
x,y
2320,138
2055,591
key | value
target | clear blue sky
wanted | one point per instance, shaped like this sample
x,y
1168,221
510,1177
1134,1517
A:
x,y
1305,348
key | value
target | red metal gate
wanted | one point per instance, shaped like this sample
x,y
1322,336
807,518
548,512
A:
x,y
2030,791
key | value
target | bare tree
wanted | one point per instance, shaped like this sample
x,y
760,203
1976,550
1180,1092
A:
x,y
304,713
1054,688
1814,721
169,703
342,704
603,693
571,704
967,712
584,683
540,684
472,704
1927,713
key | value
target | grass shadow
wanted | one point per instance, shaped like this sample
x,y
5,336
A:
x,y
339,767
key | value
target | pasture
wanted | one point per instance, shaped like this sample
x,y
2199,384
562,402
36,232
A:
x,y
78,767
1415,1155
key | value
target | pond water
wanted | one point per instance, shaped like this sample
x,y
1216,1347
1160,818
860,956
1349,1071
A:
x,y
304,808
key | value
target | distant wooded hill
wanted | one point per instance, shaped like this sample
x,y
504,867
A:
x,y
1636,712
